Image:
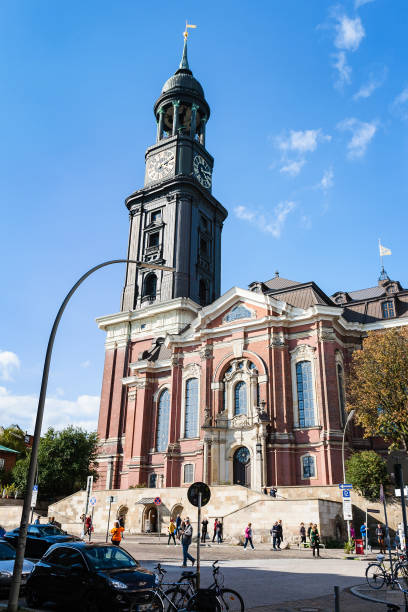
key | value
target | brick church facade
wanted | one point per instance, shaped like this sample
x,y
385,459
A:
x,y
241,388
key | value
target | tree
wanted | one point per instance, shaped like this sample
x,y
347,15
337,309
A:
x,y
65,459
378,386
366,470
13,437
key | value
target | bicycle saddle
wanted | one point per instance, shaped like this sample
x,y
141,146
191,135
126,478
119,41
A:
x,y
380,557
187,574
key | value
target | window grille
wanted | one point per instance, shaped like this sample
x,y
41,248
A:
x,y
191,412
304,383
240,398
163,416
308,466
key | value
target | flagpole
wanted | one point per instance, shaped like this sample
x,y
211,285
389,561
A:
x,y
381,258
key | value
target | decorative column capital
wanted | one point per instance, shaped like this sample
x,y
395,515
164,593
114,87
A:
x,y
195,107
176,102
161,111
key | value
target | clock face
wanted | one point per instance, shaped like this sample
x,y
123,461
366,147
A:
x,y
202,171
161,165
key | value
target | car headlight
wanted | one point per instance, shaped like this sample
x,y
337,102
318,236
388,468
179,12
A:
x,y
117,584
6,574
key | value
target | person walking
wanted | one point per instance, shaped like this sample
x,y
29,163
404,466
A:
x,y
364,534
248,536
172,535
309,529
219,532
380,538
178,524
88,525
215,529
315,540
280,534
121,520
187,536
116,533
204,528
275,534
302,533
352,533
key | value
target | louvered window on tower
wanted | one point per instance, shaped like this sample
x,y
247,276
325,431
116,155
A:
x,y
191,413
304,383
150,285
163,416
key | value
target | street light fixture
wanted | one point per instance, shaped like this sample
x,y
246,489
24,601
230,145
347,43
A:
x,y
25,515
350,416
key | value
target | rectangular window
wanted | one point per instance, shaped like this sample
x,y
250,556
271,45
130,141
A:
x,y
154,239
188,472
191,409
155,216
304,384
308,467
388,310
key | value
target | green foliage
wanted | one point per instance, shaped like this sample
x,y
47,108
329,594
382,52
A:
x,y
65,459
366,471
349,547
13,437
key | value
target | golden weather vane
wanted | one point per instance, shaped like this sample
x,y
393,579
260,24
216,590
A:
x,y
188,25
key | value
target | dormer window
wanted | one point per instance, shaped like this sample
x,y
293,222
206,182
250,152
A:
x,y
388,310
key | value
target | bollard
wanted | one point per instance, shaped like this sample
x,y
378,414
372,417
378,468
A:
x,y
336,599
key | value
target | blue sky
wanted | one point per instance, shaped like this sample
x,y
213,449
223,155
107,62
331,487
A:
x,y
308,129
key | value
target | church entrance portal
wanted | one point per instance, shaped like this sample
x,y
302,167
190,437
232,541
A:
x,y
150,519
242,467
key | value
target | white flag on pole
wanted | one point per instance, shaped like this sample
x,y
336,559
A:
x,y
384,250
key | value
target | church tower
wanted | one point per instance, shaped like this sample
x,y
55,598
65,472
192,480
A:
x,y
174,219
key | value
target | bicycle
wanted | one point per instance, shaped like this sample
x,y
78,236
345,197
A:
x,y
377,574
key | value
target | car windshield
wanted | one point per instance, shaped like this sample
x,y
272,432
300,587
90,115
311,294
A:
x,y
49,530
7,553
109,557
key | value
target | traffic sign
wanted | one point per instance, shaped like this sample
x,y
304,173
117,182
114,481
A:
x,y
346,493
92,501
347,510
195,489
111,499
157,501
34,496
344,485
398,492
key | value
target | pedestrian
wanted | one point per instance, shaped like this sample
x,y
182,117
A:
x,y
116,533
88,525
187,536
52,520
172,535
204,528
302,533
121,520
219,532
309,529
178,523
315,540
397,542
280,534
273,491
37,521
364,533
2,531
380,538
215,529
352,533
265,491
275,534
248,536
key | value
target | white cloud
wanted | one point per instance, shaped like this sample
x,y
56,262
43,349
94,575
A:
x,y
359,3
400,104
268,223
59,413
327,180
362,134
374,82
302,141
8,363
292,168
350,33
343,69
85,364
306,222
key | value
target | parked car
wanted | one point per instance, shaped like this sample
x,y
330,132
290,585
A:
x,y
7,557
91,578
39,539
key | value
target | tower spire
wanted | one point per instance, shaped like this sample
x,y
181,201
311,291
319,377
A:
x,y
184,60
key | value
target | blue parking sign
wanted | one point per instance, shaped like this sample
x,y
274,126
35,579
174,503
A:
x,y
346,493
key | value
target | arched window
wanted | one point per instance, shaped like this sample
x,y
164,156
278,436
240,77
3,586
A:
x,y
150,285
240,398
304,385
163,416
342,400
191,409
308,466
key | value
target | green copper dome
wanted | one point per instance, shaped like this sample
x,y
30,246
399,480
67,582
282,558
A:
x,y
183,79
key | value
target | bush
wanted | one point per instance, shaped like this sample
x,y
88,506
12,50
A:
x,y
349,547
366,471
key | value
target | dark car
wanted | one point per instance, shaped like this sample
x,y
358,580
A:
x,y
39,539
7,558
91,578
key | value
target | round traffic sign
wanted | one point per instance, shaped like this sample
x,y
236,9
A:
x,y
195,489
157,501
92,501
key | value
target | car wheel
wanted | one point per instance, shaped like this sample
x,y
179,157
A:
x,y
33,597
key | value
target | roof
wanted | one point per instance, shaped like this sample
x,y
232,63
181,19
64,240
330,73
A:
x,y
8,450
146,501
302,298
183,78
280,283
366,294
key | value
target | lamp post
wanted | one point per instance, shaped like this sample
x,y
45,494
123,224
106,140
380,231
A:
x,y
350,416
25,515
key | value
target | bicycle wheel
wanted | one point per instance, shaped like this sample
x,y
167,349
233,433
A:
x,y
375,576
204,602
178,597
401,574
231,600
156,604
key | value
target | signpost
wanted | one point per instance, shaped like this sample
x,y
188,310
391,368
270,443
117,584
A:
x,y
198,495
34,496
92,502
347,508
89,483
158,501
110,500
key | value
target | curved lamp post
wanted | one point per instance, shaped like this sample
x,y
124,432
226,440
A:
x,y
18,564
350,416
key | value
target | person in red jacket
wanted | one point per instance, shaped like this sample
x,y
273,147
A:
x,y
215,529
